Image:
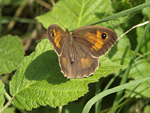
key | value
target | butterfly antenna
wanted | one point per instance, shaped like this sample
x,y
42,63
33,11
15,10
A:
x,y
73,20
59,22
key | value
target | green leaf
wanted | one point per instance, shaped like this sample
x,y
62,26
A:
x,y
72,108
96,98
6,2
146,11
145,47
88,14
121,52
2,91
140,70
11,53
39,81
122,5
146,109
66,11
9,110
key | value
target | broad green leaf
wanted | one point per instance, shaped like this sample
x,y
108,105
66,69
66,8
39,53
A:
x,y
11,53
146,109
66,11
39,81
139,70
89,11
9,110
2,91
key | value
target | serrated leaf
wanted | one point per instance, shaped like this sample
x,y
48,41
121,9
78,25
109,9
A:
x,y
2,91
66,11
11,53
139,70
39,81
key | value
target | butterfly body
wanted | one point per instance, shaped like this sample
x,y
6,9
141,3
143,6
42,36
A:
x,y
79,52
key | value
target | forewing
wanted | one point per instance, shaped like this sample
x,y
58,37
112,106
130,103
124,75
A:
x,y
83,64
96,39
56,36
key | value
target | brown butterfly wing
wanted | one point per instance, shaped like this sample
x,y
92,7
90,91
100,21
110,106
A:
x,y
96,39
56,36
82,64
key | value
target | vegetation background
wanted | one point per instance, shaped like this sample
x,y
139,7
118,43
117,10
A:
x,y
30,77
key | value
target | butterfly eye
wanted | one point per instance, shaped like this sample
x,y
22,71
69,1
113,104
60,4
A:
x,y
104,35
52,33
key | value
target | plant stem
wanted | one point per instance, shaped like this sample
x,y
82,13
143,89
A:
x,y
60,109
8,96
8,103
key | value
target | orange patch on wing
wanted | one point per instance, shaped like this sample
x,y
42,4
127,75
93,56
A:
x,y
94,47
57,38
96,40
57,44
64,62
88,34
91,40
91,37
99,41
85,62
99,46
99,34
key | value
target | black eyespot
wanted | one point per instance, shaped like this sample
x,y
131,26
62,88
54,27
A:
x,y
104,35
52,33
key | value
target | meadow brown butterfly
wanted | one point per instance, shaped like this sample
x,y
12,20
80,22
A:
x,y
79,51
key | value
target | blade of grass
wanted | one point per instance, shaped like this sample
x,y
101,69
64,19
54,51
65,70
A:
x,y
17,13
98,90
124,79
96,98
98,104
142,56
128,99
6,19
122,13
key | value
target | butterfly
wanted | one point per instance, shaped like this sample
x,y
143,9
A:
x,y
79,51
